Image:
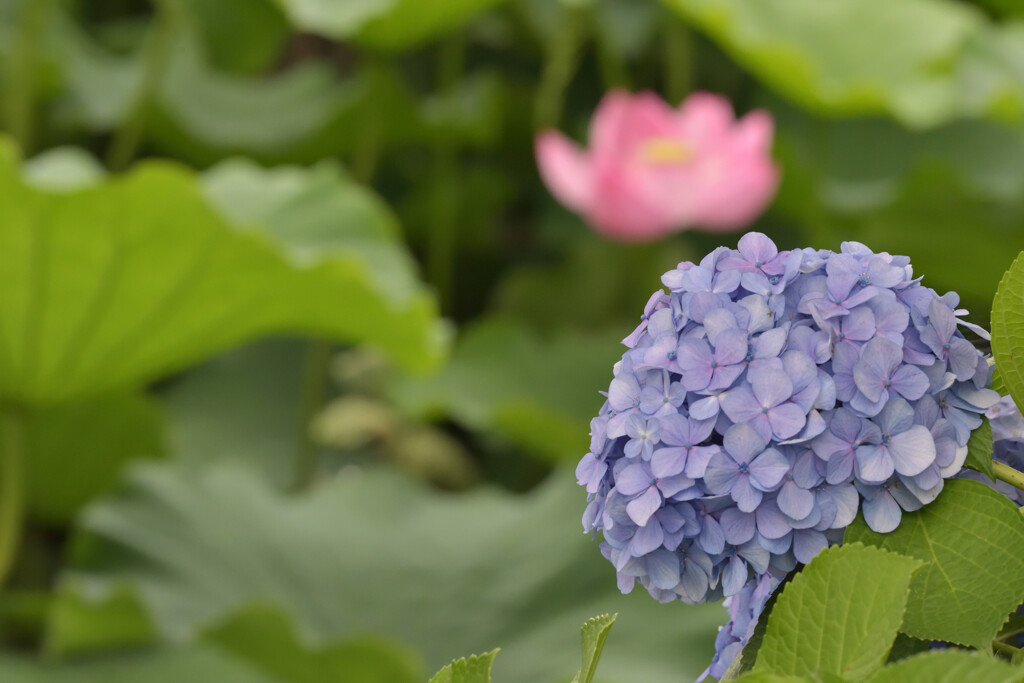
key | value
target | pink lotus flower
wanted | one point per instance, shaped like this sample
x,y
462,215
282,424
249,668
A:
x,y
652,170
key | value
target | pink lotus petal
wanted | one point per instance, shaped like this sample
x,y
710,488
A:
x,y
565,169
651,170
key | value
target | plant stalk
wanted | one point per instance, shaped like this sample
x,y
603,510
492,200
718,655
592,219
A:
x,y
442,235
19,112
156,59
12,486
559,68
314,391
1007,474
678,60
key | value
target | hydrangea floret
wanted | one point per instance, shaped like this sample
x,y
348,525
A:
x,y
763,400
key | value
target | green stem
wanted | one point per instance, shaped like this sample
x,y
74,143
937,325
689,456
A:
x,y
19,112
1008,474
612,64
678,60
1014,626
155,60
314,391
562,61
1004,648
442,236
12,494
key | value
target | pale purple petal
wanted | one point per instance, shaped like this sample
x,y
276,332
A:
x,y
640,509
768,469
740,405
663,569
874,464
734,576
807,544
786,420
742,442
882,513
623,392
746,496
738,527
667,462
909,382
633,479
912,451
720,473
771,387
795,501
646,539
697,463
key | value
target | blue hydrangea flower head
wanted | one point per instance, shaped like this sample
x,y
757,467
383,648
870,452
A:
x,y
764,399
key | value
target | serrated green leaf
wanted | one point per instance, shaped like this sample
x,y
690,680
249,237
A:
x,y
765,677
949,666
593,636
128,279
1008,329
839,615
973,541
920,58
542,394
265,638
352,557
474,669
979,450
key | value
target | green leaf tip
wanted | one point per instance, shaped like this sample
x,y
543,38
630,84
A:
x,y
472,669
592,637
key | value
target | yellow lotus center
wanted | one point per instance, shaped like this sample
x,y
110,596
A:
x,y
665,151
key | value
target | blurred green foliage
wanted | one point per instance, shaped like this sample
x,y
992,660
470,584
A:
x,y
203,203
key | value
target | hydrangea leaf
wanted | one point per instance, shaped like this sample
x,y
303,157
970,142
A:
x,y
839,615
199,663
195,547
979,450
593,636
77,450
973,541
266,639
392,24
949,666
541,394
1008,329
922,55
473,669
118,283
